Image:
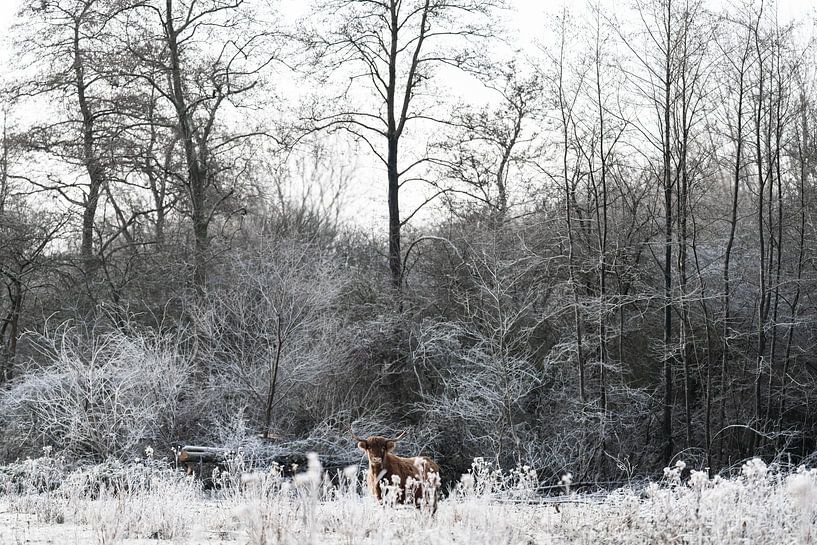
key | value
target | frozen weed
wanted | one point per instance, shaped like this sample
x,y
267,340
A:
x,y
761,504
107,518
161,512
486,480
33,475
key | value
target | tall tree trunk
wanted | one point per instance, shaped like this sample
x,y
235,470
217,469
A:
x,y
156,181
603,235
710,350
778,130
667,182
395,254
684,323
12,325
683,211
393,137
93,165
196,177
730,242
762,296
569,199
803,150
727,286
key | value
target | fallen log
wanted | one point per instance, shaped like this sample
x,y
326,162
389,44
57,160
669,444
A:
x,y
193,453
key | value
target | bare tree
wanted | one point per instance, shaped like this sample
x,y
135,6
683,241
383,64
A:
x,y
737,55
604,130
804,159
485,158
68,45
655,81
26,235
567,91
694,36
389,51
198,84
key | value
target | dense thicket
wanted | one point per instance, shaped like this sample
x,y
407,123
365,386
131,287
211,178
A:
x,y
618,268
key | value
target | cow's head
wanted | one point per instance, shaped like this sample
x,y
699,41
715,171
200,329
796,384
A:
x,y
376,446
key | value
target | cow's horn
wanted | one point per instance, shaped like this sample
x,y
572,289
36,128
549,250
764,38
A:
x,y
395,439
355,437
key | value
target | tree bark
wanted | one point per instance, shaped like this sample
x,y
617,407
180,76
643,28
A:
x,y
568,199
12,325
603,234
804,148
93,164
196,175
395,253
762,295
667,182
730,242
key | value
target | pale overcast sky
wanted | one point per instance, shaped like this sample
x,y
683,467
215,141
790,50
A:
x,y
7,9
527,7
527,17
527,23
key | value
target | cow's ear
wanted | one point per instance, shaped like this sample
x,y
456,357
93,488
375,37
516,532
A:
x,y
362,445
389,445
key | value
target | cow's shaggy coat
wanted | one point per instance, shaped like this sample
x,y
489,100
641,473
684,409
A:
x,y
420,474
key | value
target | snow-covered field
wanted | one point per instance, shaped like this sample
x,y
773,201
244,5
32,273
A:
x,y
146,503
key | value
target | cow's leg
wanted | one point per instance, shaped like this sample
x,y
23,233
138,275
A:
x,y
418,497
374,486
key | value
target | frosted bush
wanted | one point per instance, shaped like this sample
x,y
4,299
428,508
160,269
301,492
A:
x,y
486,480
523,482
754,470
349,480
33,474
107,518
48,508
98,396
467,484
483,480
673,474
698,480
802,488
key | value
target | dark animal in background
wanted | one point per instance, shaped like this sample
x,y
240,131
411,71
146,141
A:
x,y
385,466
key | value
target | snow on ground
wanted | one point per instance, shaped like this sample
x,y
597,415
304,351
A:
x,y
337,522
141,504
27,528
